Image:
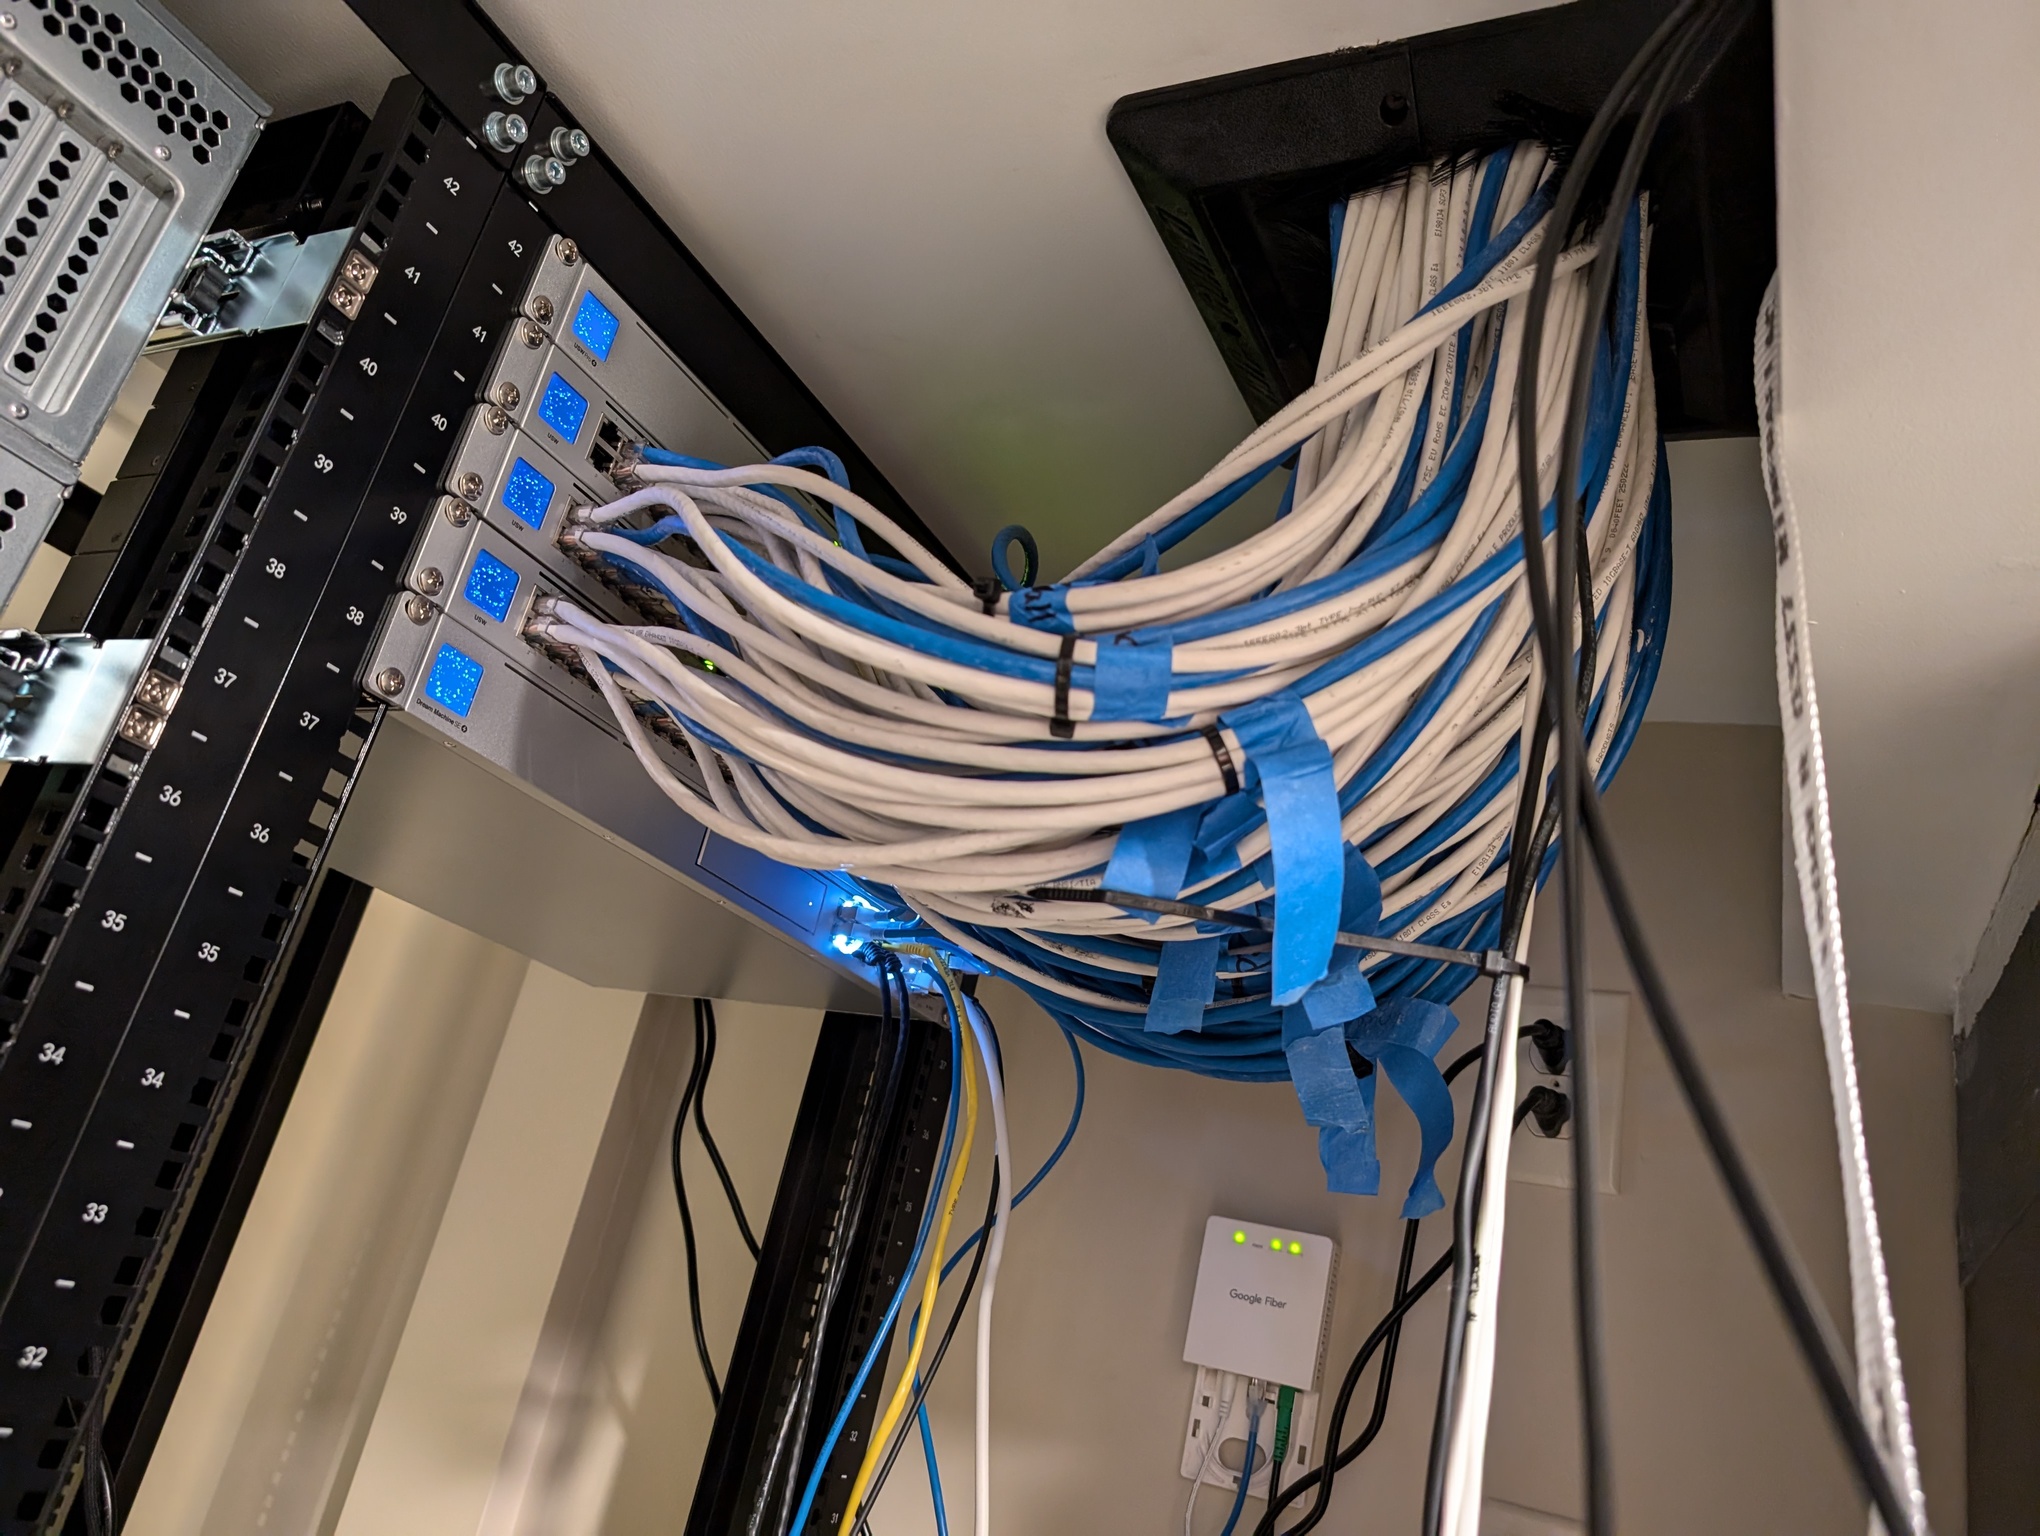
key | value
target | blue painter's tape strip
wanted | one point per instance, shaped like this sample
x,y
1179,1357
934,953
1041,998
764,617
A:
x,y
1131,679
1352,1166
1152,856
1302,803
1042,608
1403,1039
1184,982
1323,1074
1343,993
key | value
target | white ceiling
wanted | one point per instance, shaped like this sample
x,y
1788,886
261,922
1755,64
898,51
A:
x,y
916,203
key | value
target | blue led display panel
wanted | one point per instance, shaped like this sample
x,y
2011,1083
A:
x,y
563,407
491,585
527,493
452,682
595,324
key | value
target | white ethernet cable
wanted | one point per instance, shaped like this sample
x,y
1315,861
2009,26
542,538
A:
x,y
1466,1455
995,1248
875,718
1228,1388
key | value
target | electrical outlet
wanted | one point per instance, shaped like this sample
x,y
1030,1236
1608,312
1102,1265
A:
x,y
1535,1158
1223,1470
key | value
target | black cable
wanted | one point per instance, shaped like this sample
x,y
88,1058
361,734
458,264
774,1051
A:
x,y
1811,1329
95,1483
695,1073
715,1157
1383,1338
970,1279
1574,577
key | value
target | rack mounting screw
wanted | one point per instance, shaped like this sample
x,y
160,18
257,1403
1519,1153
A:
x,y
430,580
506,395
417,610
544,172
17,410
570,144
532,335
469,485
497,420
456,512
514,82
389,681
505,130
569,252
541,309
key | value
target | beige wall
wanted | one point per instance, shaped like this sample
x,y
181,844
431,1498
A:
x,y
601,1427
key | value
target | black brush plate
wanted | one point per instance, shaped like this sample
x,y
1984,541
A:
x,y
1239,174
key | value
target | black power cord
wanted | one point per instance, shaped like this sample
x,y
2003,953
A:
x,y
695,1096
706,1010
697,1077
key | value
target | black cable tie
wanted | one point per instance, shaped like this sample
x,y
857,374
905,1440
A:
x,y
989,590
1062,727
1223,754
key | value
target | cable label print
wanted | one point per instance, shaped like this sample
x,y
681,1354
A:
x,y
1880,1385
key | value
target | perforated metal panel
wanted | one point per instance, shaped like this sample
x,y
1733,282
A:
x,y
119,136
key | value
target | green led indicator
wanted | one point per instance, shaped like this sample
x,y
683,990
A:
x,y
1296,1247
1239,1237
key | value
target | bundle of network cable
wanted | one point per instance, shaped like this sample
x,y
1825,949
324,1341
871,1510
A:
x,y
1270,753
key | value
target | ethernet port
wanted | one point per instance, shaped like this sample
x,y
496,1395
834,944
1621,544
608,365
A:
x,y
607,445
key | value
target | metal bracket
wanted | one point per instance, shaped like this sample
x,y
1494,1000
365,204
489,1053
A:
x,y
64,694
234,287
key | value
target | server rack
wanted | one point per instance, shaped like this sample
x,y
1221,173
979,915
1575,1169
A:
x,y
168,928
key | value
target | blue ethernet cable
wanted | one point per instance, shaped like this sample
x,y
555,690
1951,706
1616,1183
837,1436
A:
x,y
1239,1498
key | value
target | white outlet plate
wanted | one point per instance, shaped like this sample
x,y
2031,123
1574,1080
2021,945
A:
x,y
1303,1447
1539,1159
